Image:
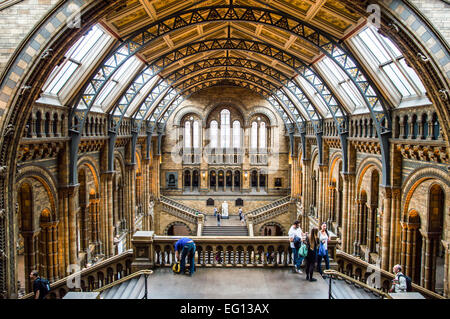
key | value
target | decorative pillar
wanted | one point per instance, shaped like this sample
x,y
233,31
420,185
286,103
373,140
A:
x,y
386,244
345,212
73,208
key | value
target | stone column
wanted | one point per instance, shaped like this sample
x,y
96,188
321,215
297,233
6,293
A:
x,y
403,250
29,238
232,181
73,209
358,227
395,232
131,177
386,244
446,268
370,228
345,212
110,214
428,262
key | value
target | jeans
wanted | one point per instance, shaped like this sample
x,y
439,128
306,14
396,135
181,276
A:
x,y
189,251
218,223
319,262
297,258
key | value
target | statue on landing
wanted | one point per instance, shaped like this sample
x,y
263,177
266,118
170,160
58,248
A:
x,y
225,209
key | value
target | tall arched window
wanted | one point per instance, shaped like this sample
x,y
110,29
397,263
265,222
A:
x,y
262,136
225,130
254,136
196,135
236,134
187,134
213,134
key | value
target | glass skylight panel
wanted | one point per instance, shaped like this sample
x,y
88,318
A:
x,y
85,44
373,43
318,101
413,75
61,77
397,78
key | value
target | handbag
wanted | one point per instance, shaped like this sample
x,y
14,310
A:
x,y
322,250
303,250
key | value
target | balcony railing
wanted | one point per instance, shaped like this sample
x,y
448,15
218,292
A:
x,y
94,277
218,251
368,273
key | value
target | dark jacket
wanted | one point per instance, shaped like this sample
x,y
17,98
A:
x,y
312,251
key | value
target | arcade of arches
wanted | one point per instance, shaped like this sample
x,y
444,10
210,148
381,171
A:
x,y
127,115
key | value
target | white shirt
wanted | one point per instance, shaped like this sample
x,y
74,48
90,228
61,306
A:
x,y
294,232
401,285
324,237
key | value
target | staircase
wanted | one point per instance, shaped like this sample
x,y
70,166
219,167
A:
x,y
182,207
268,207
130,289
225,231
342,289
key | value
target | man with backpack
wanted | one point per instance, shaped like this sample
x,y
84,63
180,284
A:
x,y
401,283
41,287
295,237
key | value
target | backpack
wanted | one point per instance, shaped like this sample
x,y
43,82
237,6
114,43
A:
x,y
45,284
303,251
176,268
408,283
297,242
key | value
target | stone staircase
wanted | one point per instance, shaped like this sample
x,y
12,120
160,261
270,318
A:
x,y
270,206
130,289
225,231
178,205
343,289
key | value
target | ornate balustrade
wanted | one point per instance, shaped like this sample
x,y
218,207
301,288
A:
x,y
212,251
94,277
372,275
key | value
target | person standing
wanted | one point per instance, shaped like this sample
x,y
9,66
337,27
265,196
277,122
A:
x,y
241,215
187,248
295,237
312,242
215,211
324,237
218,218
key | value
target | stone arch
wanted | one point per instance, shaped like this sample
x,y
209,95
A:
x,y
365,164
177,223
262,110
183,111
223,103
416,178
47,180
91,164
282,228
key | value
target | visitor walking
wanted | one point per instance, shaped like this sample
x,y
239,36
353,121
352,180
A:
x,y
218,218
241,215
324,237
187,248
400,282
215,211
41,287
295,237
312,242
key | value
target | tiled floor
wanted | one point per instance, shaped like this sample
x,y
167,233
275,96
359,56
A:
x,y
235,283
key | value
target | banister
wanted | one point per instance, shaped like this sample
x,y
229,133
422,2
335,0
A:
x,y
85,272
121,280
386,274
336,273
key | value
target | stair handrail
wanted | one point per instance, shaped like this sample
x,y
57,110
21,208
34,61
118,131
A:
x,y
188,209
416,287
332,272
283,201
126,278
84,272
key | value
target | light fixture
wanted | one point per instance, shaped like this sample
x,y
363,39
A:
x,y
245,174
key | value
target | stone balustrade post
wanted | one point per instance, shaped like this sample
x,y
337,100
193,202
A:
x,y
143,251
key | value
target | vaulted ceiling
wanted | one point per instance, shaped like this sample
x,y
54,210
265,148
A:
x,y
328,15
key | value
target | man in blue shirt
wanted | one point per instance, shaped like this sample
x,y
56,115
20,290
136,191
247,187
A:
x,y
187,248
